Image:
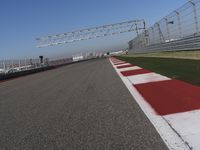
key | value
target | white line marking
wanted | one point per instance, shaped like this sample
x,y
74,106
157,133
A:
x,y
122,64
187,124
129,68
147,78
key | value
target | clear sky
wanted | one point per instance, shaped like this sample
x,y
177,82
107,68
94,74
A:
x,y
21,21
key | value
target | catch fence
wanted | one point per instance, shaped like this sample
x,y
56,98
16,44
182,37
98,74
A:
x,y
180,30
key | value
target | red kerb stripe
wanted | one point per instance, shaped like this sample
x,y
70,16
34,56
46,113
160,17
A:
x,y
169,97
135,72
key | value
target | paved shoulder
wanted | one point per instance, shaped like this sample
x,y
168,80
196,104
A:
x,y
80,106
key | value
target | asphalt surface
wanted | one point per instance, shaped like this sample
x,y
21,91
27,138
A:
x,y
83,106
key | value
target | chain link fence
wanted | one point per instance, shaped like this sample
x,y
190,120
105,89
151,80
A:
x,y
180,30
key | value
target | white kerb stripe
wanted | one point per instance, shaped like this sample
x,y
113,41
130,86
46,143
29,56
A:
x,y
115,62
129,68
147,78
123,65
187,125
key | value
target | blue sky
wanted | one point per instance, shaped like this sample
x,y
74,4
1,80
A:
x,y
24,20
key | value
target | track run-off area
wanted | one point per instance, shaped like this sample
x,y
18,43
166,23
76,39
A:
x,y
80,106
171,105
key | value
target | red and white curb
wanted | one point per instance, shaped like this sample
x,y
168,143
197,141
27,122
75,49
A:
x,y
172,106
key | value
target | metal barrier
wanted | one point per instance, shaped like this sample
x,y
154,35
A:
x,y
13,66
8,66
180,30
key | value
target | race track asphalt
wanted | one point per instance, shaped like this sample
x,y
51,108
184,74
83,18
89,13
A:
x,y
83,106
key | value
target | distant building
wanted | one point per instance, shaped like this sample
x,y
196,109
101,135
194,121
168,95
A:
x,y
77,58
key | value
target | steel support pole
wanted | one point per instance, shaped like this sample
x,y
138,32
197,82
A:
x,y
19,63
195,15
167,26
153,35
146,36
12,64
136,27
25,64
35,62
159,32
179,23
4,65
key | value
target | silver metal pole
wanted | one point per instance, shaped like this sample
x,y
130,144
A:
x,y
179,23
159,32
167,26
19,63
136,27
25,64
153,40
195,16
4,65
12,64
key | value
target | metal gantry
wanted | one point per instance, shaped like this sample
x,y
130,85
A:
x,y
91,33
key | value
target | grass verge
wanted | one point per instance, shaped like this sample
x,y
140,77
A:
x,y
181,69
170,54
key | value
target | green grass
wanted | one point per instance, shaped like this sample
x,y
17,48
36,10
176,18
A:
x,y
181,69
170,54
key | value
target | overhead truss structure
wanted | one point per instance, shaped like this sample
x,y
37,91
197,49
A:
x,y
91,33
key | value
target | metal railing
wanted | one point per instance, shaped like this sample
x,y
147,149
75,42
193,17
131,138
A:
x,y
17,65
8,66
180,30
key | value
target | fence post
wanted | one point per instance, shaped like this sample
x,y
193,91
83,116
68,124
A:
x,y
146,36
159,32
9,64
153,36
4,65
179,23
195,16
167,25
19,63
26,64
12,64
136,27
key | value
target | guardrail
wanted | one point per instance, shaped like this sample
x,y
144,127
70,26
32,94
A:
x,y
33,68
10,75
